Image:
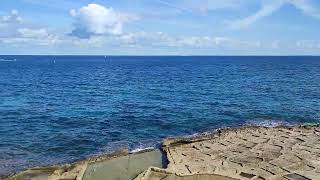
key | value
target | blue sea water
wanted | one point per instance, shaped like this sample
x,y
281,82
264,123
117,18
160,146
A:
x,y
65,108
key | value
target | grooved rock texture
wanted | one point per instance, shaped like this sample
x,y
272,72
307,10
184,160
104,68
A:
x,y
289,153
250,153
160,174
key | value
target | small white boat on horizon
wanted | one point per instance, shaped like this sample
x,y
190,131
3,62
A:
x,y
106,59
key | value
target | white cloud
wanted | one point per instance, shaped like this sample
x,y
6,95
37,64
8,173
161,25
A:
x,y
13,30
266,10
12,18
226,4
271,6
214,5
308,44
95,19
33,33
9,24
160,39
38,36
23,41
203,6
307,7
175,6
100,24
275,44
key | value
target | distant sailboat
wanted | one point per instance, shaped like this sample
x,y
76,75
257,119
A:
x,y
106,58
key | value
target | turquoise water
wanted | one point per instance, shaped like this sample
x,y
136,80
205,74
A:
x,y
65,108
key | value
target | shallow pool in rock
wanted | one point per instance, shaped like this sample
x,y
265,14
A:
x,y
125,167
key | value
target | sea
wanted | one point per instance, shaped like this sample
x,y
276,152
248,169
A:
x,y
60,109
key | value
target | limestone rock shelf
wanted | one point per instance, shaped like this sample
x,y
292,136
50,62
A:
x,y
291,153
250,153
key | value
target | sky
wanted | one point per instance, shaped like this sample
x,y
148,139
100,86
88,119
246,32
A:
x,y
160,27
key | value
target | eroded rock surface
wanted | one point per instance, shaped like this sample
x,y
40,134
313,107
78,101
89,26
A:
x,y
73,171
161,174
247,153
250,153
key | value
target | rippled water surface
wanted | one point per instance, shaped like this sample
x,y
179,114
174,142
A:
x,y
61,109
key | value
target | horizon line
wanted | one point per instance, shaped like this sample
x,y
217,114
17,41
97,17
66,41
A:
x,y
160,55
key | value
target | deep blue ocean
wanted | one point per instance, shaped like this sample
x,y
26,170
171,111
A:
x,y
57,109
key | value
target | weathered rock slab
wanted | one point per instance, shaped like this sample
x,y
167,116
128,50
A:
x,y
250,153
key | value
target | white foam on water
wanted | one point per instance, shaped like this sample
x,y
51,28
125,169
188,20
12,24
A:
x,y
267,123
192,135
8,60
141,149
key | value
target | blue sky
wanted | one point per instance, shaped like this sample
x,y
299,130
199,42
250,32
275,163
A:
x,y
160,27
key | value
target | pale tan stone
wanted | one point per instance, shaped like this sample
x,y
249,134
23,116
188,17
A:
x,y
253,153
257,153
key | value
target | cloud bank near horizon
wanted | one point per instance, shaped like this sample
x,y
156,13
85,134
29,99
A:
x,y
166,27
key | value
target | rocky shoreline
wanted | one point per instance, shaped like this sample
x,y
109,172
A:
x,y
241,153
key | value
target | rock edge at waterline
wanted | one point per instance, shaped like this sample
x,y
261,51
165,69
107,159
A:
x,y
241,153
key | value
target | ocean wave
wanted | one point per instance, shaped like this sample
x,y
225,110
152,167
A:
x,y
8,60
268,123
139,149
